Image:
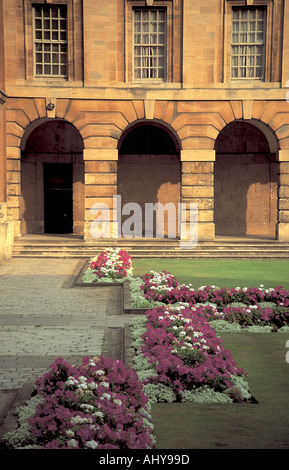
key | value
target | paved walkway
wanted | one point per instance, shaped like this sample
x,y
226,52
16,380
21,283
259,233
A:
x,y
41,319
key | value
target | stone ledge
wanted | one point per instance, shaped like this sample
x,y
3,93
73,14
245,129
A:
x,y
10,421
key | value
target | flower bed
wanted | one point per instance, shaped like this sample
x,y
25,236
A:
x,y
179,358
256,306
110,266
98,405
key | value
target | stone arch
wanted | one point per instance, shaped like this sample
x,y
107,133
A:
x,y
170,137
246,180
52,178
149,173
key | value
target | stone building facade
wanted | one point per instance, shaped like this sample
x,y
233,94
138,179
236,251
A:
x,y
168,101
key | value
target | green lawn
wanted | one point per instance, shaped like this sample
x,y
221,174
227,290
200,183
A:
x,y
264,425
221,273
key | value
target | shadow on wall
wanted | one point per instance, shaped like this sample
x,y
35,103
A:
x,y
149,172
246,182
53,149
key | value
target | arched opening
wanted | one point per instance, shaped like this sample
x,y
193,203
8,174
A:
x,y
246,181
52,180
149,176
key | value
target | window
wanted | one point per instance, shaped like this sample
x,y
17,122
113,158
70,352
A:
x,y
248,43
50,41
149,44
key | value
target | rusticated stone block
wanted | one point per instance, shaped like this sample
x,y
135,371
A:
x,y
13,190
284,167
206,231
284,143
100,167
200,179
283,191
197,167
202,143
197,191
13,177
283,204
203,215
284,179
283,216
102,191
283,232
100,178
14,165
203,203
13,201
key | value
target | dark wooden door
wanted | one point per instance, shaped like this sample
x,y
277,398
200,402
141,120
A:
x,y
58,213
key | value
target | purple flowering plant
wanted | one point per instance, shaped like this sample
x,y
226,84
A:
x,y
154,288
97,405
185,351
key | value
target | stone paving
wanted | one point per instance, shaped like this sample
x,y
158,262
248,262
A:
x,y
41,319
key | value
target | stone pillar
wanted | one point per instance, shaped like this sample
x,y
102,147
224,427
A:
x,y
100,188
6,225
198,188
283,197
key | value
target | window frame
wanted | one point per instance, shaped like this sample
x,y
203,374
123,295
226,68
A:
x,y
30,74
132,5
49,42
141,45
262,4
247,44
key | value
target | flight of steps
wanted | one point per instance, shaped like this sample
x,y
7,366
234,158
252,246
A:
x,y
61,247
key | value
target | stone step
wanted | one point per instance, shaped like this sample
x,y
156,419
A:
x,y
59,247
185,255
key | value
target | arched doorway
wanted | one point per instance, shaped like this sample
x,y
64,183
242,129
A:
x,y
52,180
246,182
149,178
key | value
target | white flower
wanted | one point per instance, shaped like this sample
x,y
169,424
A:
x,y
71,380
82,378
104,384
80,420
91,444
117,402
87,407
99,414
69,433
83,386
72,443
92,386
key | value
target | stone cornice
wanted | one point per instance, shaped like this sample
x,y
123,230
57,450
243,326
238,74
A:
x,y
169,93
